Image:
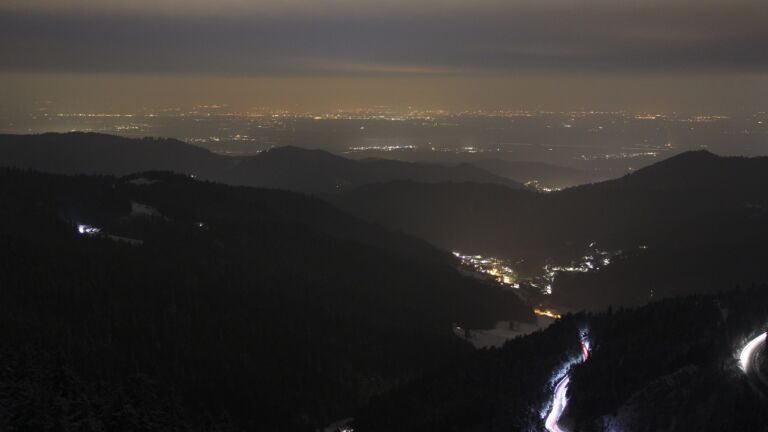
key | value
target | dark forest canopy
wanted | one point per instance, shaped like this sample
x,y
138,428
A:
x,y
671,365
242,307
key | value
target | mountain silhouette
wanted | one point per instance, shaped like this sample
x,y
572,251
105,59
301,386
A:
x,y
290,168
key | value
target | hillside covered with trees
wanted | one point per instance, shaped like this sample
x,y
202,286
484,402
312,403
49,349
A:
x,y
671,365
235,307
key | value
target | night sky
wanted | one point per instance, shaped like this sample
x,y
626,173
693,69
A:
x,y
556,54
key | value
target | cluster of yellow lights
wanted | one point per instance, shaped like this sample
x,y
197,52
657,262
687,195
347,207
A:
x,y
490,266
546,312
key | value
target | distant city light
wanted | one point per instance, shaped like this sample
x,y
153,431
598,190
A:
x,y
386,148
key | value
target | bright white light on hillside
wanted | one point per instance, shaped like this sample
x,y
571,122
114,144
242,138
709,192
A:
x,y
87,229
748,351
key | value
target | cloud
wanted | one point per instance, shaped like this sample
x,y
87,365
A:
x,y
361,37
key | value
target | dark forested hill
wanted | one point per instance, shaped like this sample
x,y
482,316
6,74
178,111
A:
x,y
91,153
698,215
546,175
318,171
672,365
689,192
290,168
208,306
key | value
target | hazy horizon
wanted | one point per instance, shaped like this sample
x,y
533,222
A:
x,y
25,93
682,55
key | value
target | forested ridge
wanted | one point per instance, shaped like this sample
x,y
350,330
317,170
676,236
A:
x,y
670,365
243,308
288,168
694,223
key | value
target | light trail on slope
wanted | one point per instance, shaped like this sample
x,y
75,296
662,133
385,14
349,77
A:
x,y
749,351
584,349
560,394
559,402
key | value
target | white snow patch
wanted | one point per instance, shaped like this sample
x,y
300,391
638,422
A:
x,y
337,426
138,209
142,181
503,332
130,241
